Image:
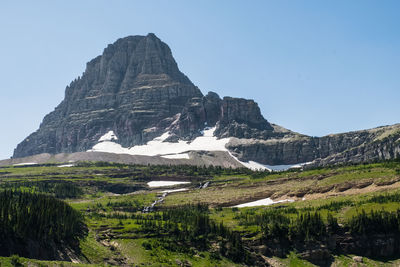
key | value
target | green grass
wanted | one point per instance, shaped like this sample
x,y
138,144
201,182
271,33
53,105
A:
x,y
347,260
293,260
8,262
93,251
224,189
367,207
381,173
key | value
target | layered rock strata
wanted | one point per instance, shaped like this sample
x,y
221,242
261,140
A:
x,y
136,90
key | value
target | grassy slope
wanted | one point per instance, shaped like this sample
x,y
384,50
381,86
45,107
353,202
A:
x,y
113,239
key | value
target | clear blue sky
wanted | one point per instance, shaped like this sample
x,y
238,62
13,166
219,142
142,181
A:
x,y
316,67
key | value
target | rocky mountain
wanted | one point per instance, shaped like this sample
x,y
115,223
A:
x,y
132,88
380,143
133,99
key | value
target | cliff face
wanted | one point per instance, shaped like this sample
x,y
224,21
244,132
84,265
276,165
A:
x,y
131,88
136,90
360,146
384,146
232,117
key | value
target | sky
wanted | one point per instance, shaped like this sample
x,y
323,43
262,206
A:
x,y
315,67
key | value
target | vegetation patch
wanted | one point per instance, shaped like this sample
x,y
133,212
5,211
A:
x,y
37,224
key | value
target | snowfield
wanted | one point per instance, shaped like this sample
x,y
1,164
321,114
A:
x,y
165,183
108,137
178,150
258,166
177,156
174,190
252,165
25,164
157,147
66,165
262,202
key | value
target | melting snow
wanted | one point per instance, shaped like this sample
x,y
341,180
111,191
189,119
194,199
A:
x,y
165,183
255,166
174,190
108,137
66,165
262,202
286,167
157,147
25,163
177,156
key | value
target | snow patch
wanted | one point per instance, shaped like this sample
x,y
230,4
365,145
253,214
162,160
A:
x,y
66,165
25,164
174,190
287,167
262,202
252,165
209,131
110,136
177,156
179,150
157,147
255,166
165,183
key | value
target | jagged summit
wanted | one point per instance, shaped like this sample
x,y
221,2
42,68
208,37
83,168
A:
x,y
130,62
136,89
131,87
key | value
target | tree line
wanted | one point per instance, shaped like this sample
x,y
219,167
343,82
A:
x,y
39,218
58,189
279,226
187,226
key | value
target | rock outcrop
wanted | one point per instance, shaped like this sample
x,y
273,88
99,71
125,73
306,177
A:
x,y
380,143
232,117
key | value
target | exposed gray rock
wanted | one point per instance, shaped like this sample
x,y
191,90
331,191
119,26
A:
x,y
136,90
242,118
359,146
233,117
134,85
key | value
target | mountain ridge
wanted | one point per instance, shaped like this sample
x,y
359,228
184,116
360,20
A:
x,y
136,90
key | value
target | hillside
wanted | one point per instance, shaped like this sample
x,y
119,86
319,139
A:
x,y
195,216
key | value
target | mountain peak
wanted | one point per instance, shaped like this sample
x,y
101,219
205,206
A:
x,y
132,86
135,93
152,35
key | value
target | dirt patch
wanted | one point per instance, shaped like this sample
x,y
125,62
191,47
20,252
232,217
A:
x,y
343,187
322,189
384,183
300,193
364,184
354,190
